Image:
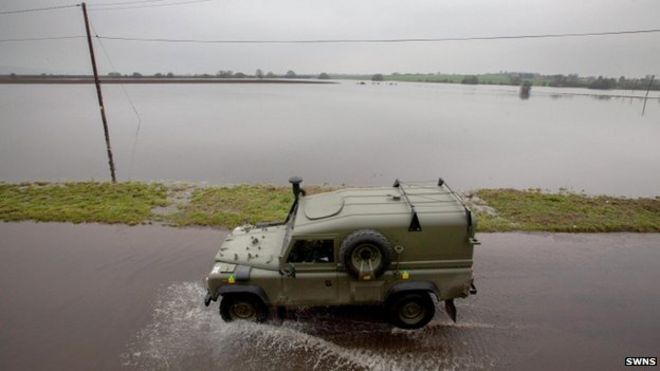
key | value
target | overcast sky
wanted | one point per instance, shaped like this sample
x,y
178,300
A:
x,y
630,55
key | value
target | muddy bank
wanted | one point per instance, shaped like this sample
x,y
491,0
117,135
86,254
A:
x,y
104,297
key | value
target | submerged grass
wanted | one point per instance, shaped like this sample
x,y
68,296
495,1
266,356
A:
x,y
128,203
133,203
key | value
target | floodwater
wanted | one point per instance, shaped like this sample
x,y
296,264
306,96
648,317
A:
x,y
83,297
472,136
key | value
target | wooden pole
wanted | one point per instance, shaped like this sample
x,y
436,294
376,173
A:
x,y
99,95
647,93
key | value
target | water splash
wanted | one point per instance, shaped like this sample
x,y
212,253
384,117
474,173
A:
x,y
183,335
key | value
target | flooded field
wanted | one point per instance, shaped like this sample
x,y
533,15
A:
x,y
80,297
473,136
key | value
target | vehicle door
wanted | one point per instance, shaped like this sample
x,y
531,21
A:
x,y
315,278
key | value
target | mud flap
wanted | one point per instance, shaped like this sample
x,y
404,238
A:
x,y
281,313
450,308
207,299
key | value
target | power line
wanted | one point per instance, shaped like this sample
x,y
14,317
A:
x,y
41,38
97,9
405,40
328,41
18,11
125,3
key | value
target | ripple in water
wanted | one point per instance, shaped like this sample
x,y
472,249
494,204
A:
x,y
183,334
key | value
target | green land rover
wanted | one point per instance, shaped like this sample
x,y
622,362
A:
x,y
400,247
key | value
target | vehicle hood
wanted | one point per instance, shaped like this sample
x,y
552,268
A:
x,y
249,245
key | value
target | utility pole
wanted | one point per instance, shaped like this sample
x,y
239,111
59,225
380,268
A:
x,y
647,93
97,82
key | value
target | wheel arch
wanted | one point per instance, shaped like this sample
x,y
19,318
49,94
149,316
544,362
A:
x,y
411,286
244,289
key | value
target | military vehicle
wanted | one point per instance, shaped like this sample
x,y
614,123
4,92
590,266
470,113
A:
x,y
399,247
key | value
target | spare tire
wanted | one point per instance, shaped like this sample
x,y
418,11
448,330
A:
x,y
366,254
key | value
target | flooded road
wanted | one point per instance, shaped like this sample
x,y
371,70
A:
x,y
79,297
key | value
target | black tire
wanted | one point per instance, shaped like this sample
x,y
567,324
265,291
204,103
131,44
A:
x,y
244,307
410,310
366,254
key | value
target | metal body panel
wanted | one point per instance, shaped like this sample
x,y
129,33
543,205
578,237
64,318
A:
x,y
310,287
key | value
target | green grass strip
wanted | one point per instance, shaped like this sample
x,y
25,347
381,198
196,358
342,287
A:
x,y
233,206
533,210
128,203
230,206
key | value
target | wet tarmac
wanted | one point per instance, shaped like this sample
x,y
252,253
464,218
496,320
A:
x,y
81,297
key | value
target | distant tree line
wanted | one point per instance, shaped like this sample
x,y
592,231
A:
x,y
600,82
516,79
500,78
523,78
227,74
471,80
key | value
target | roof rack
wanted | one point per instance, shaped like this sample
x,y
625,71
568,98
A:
x,y
415,225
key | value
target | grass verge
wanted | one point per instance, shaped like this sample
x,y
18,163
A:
x,y
233,206
498,210
533,210
128,203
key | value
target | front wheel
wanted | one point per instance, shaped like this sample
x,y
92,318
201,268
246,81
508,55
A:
x,y
410,310
242,307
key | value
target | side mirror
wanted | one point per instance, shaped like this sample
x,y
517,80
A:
x,y
289,270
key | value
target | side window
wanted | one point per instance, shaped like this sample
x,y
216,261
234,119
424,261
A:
x,y
312,251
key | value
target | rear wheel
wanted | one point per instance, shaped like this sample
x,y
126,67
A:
x,y
244,307
410,310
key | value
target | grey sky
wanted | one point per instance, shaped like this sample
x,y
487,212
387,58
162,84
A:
x,y
630,55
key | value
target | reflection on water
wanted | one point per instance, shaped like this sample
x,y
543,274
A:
x,y
560,96
473,136
183,334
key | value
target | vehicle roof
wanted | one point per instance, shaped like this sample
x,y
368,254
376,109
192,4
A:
x,y
370,207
